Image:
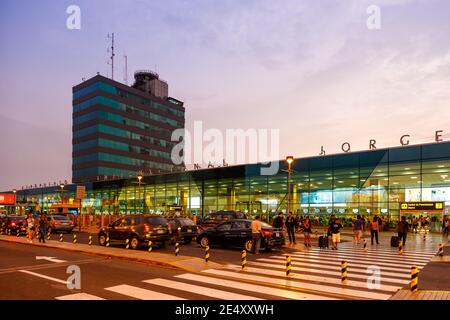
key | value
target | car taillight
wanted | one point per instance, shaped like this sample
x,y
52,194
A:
x,y
13,224
267,233
146,228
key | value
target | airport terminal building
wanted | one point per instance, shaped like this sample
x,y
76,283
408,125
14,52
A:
x,y
407,180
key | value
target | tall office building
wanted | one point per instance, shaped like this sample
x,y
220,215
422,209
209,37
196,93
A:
x,y
120,130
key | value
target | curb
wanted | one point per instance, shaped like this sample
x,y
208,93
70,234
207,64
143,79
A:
x,y
179,264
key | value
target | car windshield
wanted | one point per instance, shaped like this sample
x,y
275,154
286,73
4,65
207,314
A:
x,y
186,222
60,218
156,221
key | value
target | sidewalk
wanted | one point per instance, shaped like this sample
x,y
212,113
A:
x,y
190,264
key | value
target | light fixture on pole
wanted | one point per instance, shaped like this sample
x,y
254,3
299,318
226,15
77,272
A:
x,y
139,177
15,200
289,160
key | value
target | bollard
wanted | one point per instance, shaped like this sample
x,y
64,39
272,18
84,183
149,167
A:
x,y
344,272
365,246
207,254
90,240
244,260
74,238
414,278
400,247
424,237
177,248
48,235
18,233
60,237
441,250
107,241
9,232
150,246
288,265
127,244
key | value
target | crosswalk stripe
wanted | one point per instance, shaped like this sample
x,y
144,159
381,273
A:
x,y
382,252
357,260
397,260
405,274
295,284
405,254
79,296
255,288
307,277
389,267
142,294
202,290
411,249
330,273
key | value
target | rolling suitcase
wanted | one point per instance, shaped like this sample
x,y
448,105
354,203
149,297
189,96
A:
x,y
394,241
323,241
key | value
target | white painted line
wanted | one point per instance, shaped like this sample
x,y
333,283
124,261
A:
x,y
330,273
202,290
79,296
375,253
43,276
380,252
51,259
141,294
295,284
307,277
254,288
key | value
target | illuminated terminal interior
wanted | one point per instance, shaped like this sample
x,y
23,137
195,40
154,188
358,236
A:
x,y
369,183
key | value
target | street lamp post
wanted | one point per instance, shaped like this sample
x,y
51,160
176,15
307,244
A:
x,y
15,200
139,177
289,160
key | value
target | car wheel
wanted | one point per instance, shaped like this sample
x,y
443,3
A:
x,y
102,240
135,243
249,245
204,242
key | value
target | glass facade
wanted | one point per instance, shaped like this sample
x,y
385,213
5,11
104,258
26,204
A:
x,y
367,183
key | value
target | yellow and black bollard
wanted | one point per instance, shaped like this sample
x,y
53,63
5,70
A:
x,y
244,260
74,239
441,250
90,240
207,254
18,233
344,272
425,236
60,237
365,245
400,247
414,278
9,232
177,248
48,235
107,241
150,246
127,242
288,265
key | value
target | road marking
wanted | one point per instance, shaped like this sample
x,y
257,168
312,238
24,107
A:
x,y
142,294
407,253
51,259
43,276
205,291
305,277
295,284
254,288
79,296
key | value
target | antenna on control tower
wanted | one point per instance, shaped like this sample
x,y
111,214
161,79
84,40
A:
x,y
125,76
111,50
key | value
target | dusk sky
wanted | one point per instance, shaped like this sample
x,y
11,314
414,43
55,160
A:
x,y
309,68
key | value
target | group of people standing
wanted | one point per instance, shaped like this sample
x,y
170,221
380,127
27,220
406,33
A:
x,y
291,223
36,227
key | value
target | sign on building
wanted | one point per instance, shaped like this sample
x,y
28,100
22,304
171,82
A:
x,y
81,192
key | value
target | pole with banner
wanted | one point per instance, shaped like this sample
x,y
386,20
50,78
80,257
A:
x,y
81,191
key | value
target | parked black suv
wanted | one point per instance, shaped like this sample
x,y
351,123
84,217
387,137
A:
x,y
14,224
139,229
214,218
237,233
183,229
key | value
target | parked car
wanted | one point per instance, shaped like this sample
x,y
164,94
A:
x,y
138,229
237,233
13,223
59,223
182,229
213,219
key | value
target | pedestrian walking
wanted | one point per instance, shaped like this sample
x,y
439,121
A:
x,y
415,224
380,224
402,230
306,226
278,222
335,229
445,227
257,233
30,227
290,227
373,227
358,227
42,227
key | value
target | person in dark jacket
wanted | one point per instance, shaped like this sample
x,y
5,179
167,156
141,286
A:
x,y
290,224
402,230
42,227
278,222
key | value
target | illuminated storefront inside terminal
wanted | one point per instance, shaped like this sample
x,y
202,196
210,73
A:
x,y
368,183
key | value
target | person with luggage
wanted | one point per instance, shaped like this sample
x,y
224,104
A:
x,y
358,227
306,227
335,230
290,227
402,230
373,227
257,234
